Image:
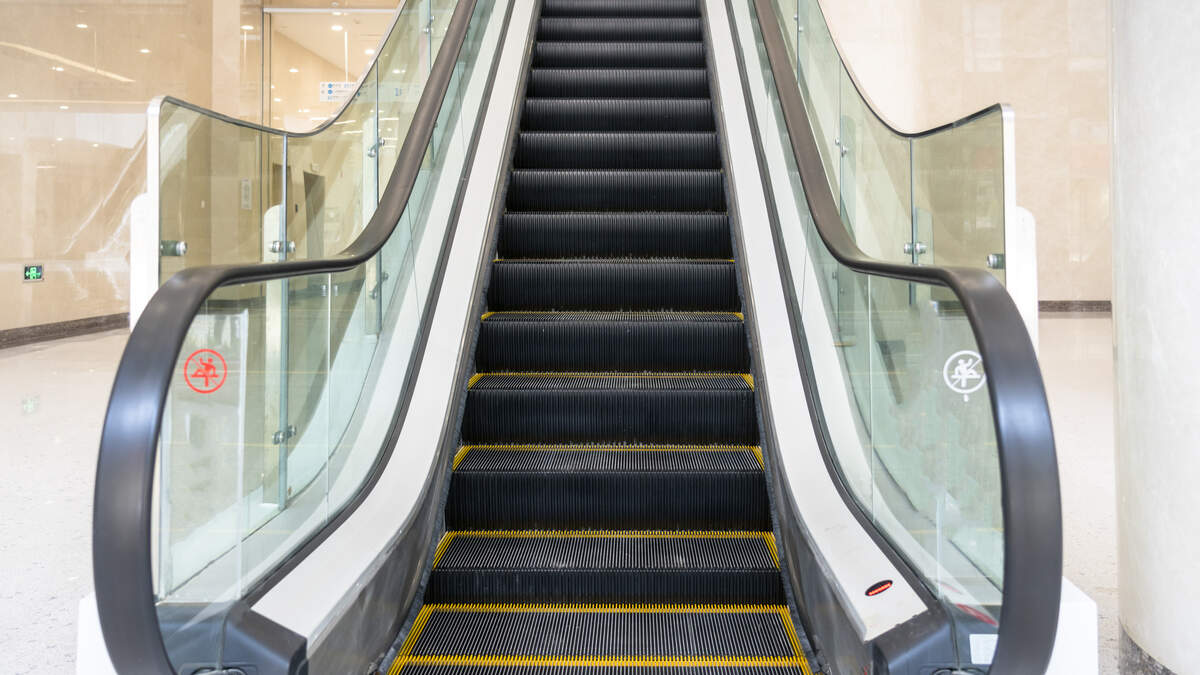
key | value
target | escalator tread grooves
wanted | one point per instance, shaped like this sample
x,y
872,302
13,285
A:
x,y
611,460
606,383
610,434
614,114
617,634
605,552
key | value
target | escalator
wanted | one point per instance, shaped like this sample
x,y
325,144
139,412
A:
x,y
615,392
608,504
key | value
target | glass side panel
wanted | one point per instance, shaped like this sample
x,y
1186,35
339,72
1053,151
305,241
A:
x,y
285,389
911,431
959,191
218,180
332,187
213,190
936,198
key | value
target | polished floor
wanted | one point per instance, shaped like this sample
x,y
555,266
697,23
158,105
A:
x,y
53,403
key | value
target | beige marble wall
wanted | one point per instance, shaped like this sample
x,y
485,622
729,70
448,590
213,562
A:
x,y
74,85
927,62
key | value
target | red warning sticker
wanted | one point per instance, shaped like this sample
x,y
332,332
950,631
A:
x,y
205,371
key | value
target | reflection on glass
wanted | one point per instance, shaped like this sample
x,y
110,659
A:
x,y
280,402
936,198
895,363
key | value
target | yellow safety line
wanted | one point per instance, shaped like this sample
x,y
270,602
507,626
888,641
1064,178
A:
x,y
640,312
458,456
770,539
749,380
767,537
758,454
616,608
442,545
405,657
474,379
670,661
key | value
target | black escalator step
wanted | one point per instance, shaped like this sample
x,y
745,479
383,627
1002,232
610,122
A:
x,y
614,235
618,55
613,190
463,667
601,114
614,286
605,566
597,341
571,487
622,150
620,8
604,459
643,633
618,83
620,29
586,408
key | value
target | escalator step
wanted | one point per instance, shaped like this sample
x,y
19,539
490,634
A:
x,y
613,235
598,566
561,190
618,82
623,150
616,114
581,408
641,632
572,487
620,29
600,341
461,667
609,285
620,8
618,55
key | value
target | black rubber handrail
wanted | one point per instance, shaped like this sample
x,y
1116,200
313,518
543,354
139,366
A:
x,y
122,506
1031,504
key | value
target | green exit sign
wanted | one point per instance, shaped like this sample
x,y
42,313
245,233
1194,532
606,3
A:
x,y
34,272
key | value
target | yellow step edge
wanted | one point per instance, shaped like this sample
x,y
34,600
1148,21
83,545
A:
x,y
614,608
462,452
614,534
610,661
405,656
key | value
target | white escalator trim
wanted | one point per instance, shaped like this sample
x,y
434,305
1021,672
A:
x,y
851,559
317,592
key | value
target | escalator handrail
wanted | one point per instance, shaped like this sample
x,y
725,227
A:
x,y
122,506
1031,504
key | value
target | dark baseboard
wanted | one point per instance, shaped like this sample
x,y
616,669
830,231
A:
x,y
1135,661
15,337
1075,306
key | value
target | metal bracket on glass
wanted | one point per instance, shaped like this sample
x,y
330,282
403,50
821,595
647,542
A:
x,y
918,246
280,246
383,276
843,149
995,261
374,149
170,247
283,434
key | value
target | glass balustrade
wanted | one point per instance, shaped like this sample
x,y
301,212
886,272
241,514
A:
x,y
284,389
233,192
931,198
895,363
